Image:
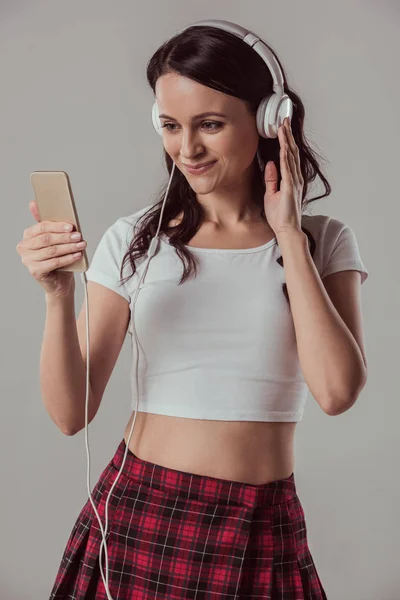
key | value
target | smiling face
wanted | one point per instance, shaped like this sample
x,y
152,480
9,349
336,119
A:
x,y
230,140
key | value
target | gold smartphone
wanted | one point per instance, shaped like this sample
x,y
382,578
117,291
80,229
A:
x,y
55,200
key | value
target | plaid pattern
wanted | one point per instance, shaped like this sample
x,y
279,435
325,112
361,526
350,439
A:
x,y
176,535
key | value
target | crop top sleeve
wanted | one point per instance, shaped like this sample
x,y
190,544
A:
x,y
341,250
106,263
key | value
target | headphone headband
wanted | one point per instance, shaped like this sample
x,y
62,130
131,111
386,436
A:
x,y
252,40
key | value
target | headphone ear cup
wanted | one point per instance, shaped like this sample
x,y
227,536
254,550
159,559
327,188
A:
x,y
284,109
271,112
156,119
266,116
260,117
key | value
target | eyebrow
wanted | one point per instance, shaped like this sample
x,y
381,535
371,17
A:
x,y
200,116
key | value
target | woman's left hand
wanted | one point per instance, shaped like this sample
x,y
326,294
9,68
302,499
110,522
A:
x,y
283,207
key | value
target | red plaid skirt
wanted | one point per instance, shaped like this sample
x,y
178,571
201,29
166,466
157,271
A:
x,y
177,535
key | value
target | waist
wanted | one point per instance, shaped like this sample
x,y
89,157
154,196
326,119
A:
x,y
247,452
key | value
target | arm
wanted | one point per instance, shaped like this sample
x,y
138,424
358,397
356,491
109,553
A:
x,y
62,368
331,359
64,354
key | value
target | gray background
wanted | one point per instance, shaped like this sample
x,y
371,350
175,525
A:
x,y
74,97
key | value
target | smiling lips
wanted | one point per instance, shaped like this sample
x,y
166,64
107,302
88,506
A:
x,y
199,170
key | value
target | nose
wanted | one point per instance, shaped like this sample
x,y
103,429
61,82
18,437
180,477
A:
x,y
190,145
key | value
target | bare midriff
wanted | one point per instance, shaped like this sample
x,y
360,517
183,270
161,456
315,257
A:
x,y
253,452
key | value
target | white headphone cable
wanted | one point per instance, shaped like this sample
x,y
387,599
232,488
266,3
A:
x,y
151,252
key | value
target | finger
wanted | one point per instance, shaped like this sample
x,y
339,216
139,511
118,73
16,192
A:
x,y
285,165
44,227
285,153
285,144
292,166
294,149
33,207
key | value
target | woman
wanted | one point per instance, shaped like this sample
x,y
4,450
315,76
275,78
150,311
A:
x,y
266,310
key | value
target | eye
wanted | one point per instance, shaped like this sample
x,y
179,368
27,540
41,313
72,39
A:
x,y
218,125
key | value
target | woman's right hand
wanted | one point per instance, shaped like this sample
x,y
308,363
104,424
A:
x,y
46,246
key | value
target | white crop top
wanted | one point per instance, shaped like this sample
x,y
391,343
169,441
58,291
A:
x,y
222,345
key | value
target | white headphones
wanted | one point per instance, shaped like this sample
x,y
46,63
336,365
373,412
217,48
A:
x,y
271,112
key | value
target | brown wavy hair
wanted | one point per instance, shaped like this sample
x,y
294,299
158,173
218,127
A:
x,y
222,61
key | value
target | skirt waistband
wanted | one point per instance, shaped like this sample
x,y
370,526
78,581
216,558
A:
x,y
201,487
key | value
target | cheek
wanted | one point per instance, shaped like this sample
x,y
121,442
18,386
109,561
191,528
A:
x,y
241,147
169,146
240,158
173,152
